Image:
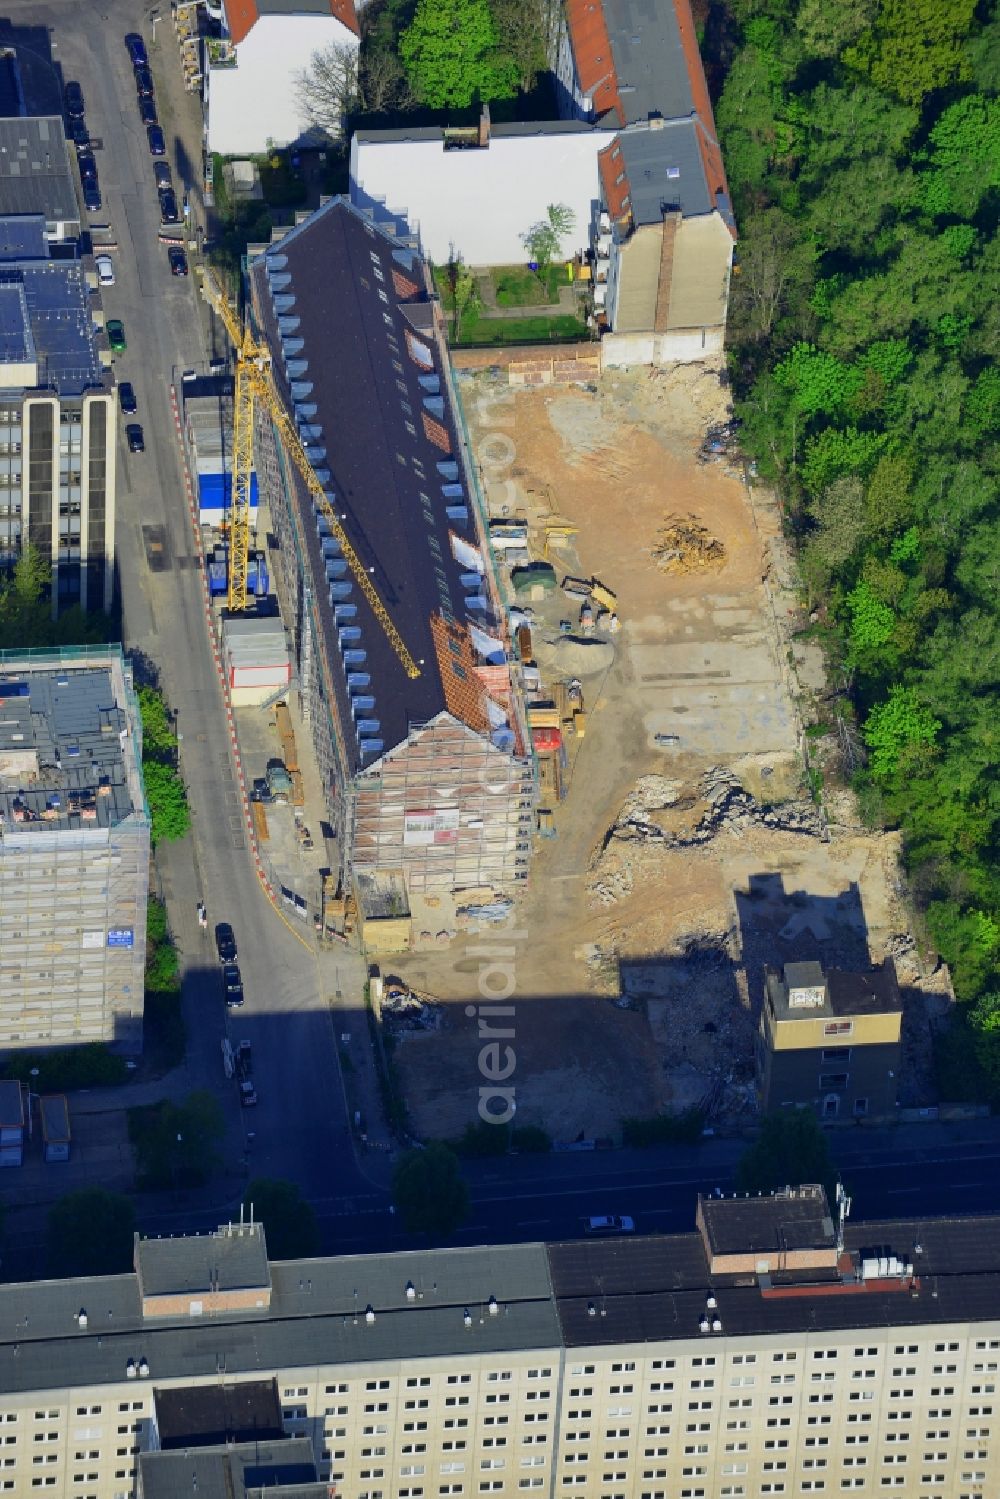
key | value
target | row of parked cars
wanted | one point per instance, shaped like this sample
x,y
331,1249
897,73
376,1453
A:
x,y
146,97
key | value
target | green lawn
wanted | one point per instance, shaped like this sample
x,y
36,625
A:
x,y
516,286
557,327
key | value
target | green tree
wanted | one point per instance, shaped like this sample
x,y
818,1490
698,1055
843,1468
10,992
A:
x,y
176,1145
450,52
543,241
465,297
430,1191
915,46
900,724
290,1226
91,1233
826,27
521,37
965,155
791,1150
158,736
168,804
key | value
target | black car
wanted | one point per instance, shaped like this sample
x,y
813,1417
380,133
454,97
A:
x,y
137,50
261,791
225,942
74,101
147,111
92,196
134,438
178,261
157,143
161,171
126,398
88,167
144,83
232,985
168,206
79,134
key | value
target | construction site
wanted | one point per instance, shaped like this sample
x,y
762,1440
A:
x,y
679,845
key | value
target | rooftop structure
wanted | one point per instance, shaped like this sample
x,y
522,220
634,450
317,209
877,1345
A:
x,y
200,1416
250,75
471,193
47,321
74,849
35,173
283,1469
359,354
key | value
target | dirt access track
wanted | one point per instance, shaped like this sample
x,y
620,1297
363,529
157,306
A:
x,y
623,959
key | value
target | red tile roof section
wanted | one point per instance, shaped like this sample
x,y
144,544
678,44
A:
x,y
611,165
595,63
242,16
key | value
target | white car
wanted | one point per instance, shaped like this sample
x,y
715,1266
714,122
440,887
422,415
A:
x,y
105,270
614,1224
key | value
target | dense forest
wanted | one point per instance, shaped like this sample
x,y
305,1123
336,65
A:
x,y
862,143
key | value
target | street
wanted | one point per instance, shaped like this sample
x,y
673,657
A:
x,y
299,1130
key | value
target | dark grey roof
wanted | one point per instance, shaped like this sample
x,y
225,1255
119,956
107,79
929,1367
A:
x,y
22,237
233,1259
58,305
649,59
364,379
280,1469
210,1415
69,718
33,85
748,1225
17,346
35,172
665,170
873,991
293,7
507,128
54,1109
11,1103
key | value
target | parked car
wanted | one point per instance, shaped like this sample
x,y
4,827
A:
x,y
178,261
244,1074
92,196
225,942
161,171
232,985
105,270
74,101
88,167
157,143
126,398
133,436
261,791
168,206
137,50
144,83
79,134
147,111
116,335
612,1224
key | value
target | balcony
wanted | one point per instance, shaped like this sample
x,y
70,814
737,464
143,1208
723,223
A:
x,y
221,52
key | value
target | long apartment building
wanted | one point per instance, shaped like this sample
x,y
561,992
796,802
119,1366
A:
x,y
74,851
428,779
57,419
769,1352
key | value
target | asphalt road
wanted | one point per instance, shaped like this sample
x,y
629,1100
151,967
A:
x,y
299,1129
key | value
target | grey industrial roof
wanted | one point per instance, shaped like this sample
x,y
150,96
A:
x,y
35,172
665,170
649,58
230,1260
69,718
632,1289
759,1224
293,7
207,1415
56,300
368,401
280,1469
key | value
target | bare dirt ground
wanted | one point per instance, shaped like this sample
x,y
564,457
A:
x,y
636,952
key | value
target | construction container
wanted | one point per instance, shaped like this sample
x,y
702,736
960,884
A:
x,y
54,1111
580,722
256,657
11,1123
604,596
546,740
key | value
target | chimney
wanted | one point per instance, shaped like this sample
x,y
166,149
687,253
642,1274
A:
x,y
484,126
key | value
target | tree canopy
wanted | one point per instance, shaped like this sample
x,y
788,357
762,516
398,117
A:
x,y
91,1233
862,143
790,1151
451,55
430,1191
176,1144
290,1226
165,790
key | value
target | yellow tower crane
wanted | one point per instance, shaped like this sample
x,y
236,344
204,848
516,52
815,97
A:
x,y
255,381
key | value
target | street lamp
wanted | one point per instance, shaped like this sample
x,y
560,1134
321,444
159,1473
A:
x,y
32,1073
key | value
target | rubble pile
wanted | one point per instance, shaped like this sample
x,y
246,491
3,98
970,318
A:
x,y
402,1010
684,545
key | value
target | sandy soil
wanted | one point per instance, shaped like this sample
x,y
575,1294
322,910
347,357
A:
x,y
646,1002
